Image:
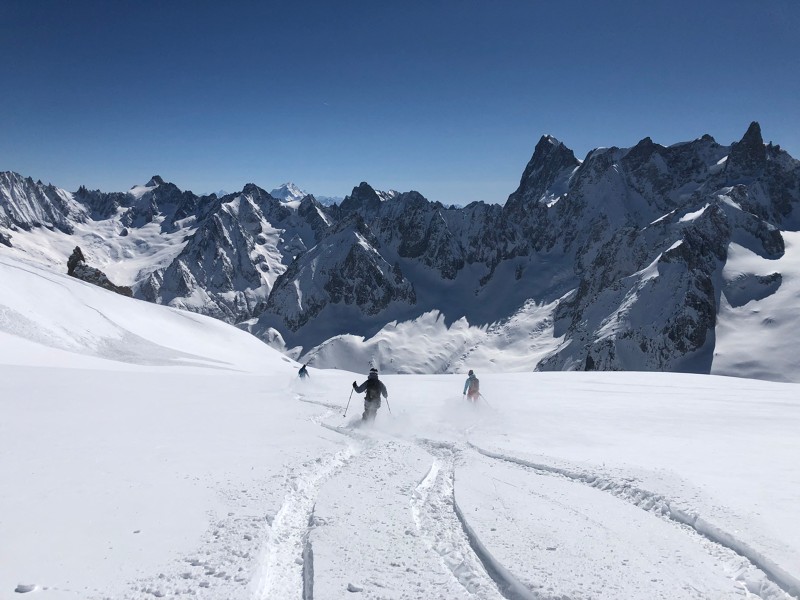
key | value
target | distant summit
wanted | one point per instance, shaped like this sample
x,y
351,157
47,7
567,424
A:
x,y
288,192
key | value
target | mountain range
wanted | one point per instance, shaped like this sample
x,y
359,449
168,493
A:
x,y
662,258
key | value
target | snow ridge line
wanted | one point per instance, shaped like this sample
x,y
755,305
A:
x,y
443,525
282,573
653,502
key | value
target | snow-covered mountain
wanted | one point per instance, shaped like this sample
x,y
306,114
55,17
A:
x,y
288,192
149,452
643,258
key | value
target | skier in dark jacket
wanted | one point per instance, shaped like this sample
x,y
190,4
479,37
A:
x,y
375,389
303,372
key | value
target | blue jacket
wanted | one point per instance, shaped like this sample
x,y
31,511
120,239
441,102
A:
x,y
468,381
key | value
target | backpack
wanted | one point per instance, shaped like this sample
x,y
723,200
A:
x,y
474,386
373,390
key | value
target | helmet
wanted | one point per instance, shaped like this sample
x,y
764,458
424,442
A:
x,y
470,372
373,370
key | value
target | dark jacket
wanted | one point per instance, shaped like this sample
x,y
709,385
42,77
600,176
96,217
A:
x,y
373,386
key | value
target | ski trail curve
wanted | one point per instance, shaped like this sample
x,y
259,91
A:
x,y
777,583
281,573
441,524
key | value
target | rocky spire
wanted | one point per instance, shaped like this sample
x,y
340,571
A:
x,y
549,161
749,155
362,197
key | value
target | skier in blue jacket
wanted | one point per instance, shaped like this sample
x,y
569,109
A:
x,y
472,387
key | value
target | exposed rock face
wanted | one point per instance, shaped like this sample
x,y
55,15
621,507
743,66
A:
x,y
242,243
25,204
77,268
344,269
545,175
649,250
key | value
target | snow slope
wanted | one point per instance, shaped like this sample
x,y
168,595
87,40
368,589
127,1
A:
x,y
147,452
757,303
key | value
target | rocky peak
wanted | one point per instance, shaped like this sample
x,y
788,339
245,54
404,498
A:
x,y
363,197
251,189
155,180
749,155
551,161
550,154
752,137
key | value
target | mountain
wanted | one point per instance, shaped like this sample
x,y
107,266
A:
x,y
644,258
288,192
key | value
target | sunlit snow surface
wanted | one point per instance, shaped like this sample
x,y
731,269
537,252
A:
x,y
148,453
757,337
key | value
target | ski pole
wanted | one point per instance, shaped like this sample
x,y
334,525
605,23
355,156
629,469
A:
x,y
485,400
388,405
348,403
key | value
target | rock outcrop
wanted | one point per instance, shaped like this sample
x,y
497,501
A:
x,y
77,268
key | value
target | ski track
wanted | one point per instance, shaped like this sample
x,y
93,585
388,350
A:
x,y
443,526
283,573
773,582
330,405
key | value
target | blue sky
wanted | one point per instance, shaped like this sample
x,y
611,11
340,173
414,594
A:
x,y
445,97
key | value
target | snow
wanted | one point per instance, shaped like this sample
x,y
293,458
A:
x,y
428,344
288,193
148,452
124,258
745,327
691,216
138,191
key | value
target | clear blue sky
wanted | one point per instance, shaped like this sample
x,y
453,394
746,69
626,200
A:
x,y
445,97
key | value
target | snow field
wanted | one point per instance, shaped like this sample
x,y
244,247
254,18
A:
x,y
214,472
367,538
579,541
755,323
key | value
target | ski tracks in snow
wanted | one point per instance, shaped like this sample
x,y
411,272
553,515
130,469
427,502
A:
x,y
442,524
286,569
434,515
755,573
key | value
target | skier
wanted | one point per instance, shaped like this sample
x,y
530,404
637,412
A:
x,y
375,389
472,387
303,372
